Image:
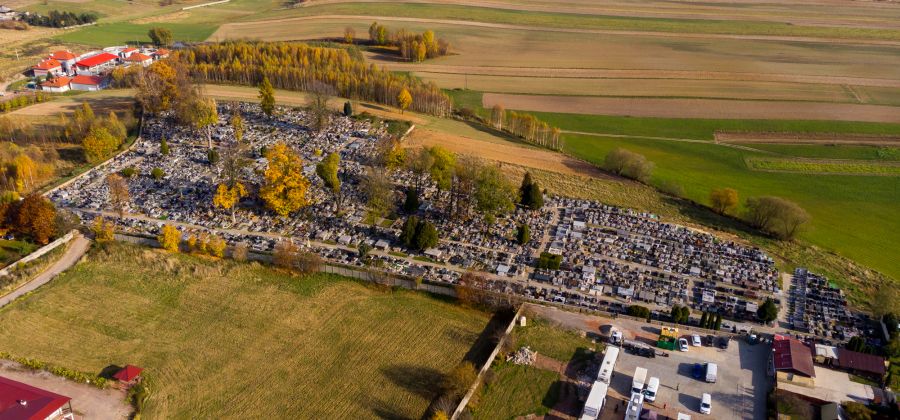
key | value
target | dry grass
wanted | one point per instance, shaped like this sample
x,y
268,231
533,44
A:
x,y
220,339
695,108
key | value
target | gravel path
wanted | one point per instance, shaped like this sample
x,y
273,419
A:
x,y
76,249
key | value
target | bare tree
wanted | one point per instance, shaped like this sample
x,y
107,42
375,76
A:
x,y
319,93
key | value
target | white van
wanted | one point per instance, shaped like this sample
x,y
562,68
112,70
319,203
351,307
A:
x,y
706,404
712,371
638,380
652,389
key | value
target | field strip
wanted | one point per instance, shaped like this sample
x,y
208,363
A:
x,y
648,11
596,73
784,138
823,166
695,108
245,30
531,157
629,136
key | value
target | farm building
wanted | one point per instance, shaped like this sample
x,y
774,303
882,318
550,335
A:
x,y
96,64
66,59
129,373
47,67
792,359
57,85
138,58
868,365
89,83
23,401
160,54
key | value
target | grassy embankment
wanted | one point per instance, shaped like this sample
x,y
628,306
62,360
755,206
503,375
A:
x,y
216,336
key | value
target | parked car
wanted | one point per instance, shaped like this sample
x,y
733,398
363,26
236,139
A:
x,y
698,371
682,344
706,404
710,340
723,342
695,341
652,389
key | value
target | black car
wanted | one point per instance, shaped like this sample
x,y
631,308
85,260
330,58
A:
x,y
724,341
710,340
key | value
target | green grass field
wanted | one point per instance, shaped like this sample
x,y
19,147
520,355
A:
x,y
823,166
832,151
222,339
516,391
551,341
582,21
118,33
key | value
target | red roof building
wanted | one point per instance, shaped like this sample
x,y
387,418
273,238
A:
x,y
128,373
47,66
791,355
59,84
139,58
96,63
62,55
20,401
83,82
861,362
161,53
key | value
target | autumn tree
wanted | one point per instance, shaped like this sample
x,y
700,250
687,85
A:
x,y
284,189
442,167
118,193
99,145
327,170
35,217
319,94
104,230
349,34
237,124
169,238
404,100
161,37
498,116
379,193
227,197
158,87
266,96
285,254
458,381
723,200
201,113
493,194
216,246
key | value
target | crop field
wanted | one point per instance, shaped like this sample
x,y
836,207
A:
x,y
240,340
695,108
833,151
823,166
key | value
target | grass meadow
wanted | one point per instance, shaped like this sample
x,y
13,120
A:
x,y
823,166
516,390
224,339
118,33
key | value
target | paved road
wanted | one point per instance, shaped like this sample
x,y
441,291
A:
x,y
77,247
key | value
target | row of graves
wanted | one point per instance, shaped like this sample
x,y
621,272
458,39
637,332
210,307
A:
x,y
607,251
632,256
817,308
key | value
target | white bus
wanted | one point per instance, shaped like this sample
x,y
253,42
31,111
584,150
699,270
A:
x,y
608,365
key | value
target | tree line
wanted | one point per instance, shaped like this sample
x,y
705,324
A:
x,y
411,46
526,126
59,19
298,66
21,101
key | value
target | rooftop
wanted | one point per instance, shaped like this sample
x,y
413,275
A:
x,y
97,60
87,80
791,354
23,401
57,82
849,359
47,65
62,55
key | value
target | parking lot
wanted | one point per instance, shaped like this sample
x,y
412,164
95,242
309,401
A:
x,y
739,392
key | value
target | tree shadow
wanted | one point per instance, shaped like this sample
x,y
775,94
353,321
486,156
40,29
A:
x,y
109,371
690,401
384,410
419,380
486,341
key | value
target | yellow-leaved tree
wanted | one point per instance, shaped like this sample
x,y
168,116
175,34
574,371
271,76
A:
x,y
404,100
226,197
285,187
169,238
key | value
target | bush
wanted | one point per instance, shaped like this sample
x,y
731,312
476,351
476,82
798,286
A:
x,y
629,164
128,172
70,374
857,411
549,261
638,311
157,173
777,216
523,234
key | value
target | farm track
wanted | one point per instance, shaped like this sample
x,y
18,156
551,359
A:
x,y
224,30
696,108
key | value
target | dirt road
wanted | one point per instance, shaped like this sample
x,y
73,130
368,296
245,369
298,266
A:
x,y
76,249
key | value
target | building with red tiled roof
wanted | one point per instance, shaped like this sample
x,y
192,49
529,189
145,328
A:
x,y
85,82
128,373
47,66
792,356
59,84
96,64
21,401
160,53
66,59
138,58
861,363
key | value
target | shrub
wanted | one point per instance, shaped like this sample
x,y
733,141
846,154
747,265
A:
x,y
638,311
128,172
240,252
629,164
549,261
777,216
523,234
157,173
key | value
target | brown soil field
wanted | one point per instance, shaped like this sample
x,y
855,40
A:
x,y
695,108
504,152
101,102
822,139
824,13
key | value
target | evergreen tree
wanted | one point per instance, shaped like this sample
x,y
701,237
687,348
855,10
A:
x,y
426,235
718,323
411,203
348,109
523,234
266,96
704,319
408,233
